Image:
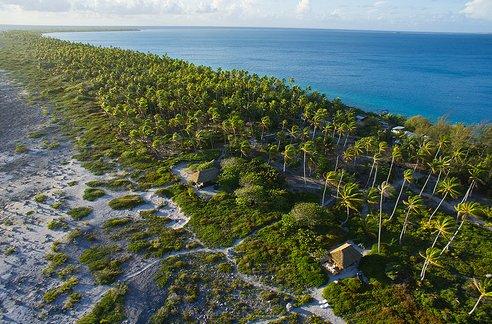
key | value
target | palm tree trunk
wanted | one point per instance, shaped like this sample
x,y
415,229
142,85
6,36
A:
x,y
404,227
435,210
314,132
285,163
339,138
370,173
324,193
476,304
453,237
375,177
391,168
425,184
304,168
336,163
338,186
437,182
397,200
346,139
424,269
380,221
435,240
346,219
467,194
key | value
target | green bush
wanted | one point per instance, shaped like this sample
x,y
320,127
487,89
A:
x,y
100,262
40,198
110,309
92,194
53,293
126,202
79,212
57,224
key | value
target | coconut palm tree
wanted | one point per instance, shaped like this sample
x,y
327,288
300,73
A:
x,y
395,155
342,173
476,176
245,148
441,143
272,152
431,257
434,167
463,210
447,187
485,290
376,159
289,154
372,197
350,198
385,189
319,117
330,179
307,149
265,124
443,166
407,177
413,204
443,227
351,128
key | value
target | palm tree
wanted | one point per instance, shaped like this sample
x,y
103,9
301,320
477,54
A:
x,y
448,187
385,189
485,290
395,155
434,166
443,166
372,197
431,257
476,176
288,154
306,148
443,227
407,177
245,148
441,143
272,152
330,178
264,125
350,198
376,158
414,204
464,210
351,128
319,117
342,173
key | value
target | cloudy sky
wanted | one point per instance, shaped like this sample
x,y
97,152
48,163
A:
x,y
418,15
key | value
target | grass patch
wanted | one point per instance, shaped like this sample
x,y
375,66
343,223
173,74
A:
x,y
92,194
78,213
126,202
40,198
58,224
110,309
100,262
53,293
72,299
115,222
20,148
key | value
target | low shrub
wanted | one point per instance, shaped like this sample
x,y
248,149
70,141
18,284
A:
x,y
109,309
92,194
53,293
126,202
79,212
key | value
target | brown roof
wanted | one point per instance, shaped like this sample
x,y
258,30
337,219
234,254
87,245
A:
x,y
205,176
345,255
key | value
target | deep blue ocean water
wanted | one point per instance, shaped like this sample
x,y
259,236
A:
x,y
406,73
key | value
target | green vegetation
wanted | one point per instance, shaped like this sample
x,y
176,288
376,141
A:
x,y
57,204
92,194
55,259
102,264
40,198
299,174
110,309
126,202
58,224
20,148
116,184
78,213
72,299
64,287
114,222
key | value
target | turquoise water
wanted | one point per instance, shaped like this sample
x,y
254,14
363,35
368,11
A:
x,y
406,73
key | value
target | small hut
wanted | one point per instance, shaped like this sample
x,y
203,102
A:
x,y
205,177
345,255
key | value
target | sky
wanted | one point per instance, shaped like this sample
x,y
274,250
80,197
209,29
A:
x,y
413,15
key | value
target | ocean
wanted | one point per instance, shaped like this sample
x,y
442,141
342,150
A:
x,y
429,74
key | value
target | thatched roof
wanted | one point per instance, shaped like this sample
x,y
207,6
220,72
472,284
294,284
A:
x,y
205,176
345,255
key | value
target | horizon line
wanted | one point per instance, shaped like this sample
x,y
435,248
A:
x,y
256,27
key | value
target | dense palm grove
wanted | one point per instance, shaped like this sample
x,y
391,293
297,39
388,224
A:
x,y
298,171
